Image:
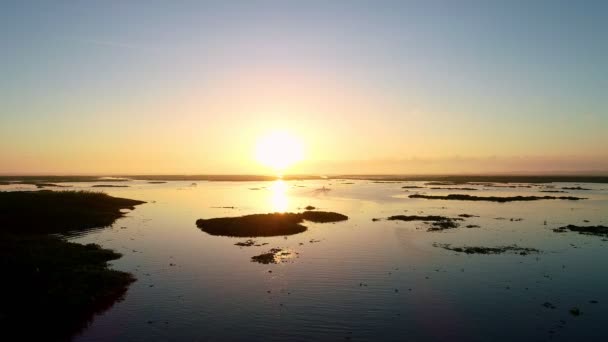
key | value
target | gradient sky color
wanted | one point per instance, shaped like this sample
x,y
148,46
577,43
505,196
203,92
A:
x,y
369,86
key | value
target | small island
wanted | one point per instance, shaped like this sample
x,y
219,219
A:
x,y
273,224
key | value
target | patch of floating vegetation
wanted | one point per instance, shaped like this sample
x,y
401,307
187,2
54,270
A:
x,y
442,225
437,222
554,191
506,186
443,188
273,224
274,256
512,219
41,185
57,284
109,186
461,197
467,215
412,187
157,182
441,183
249,243
487,179
310,207
575,188
64,212
472,226
488,250
585,230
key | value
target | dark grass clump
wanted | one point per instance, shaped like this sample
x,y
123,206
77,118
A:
x,y
157,182
51,289
273,256
585,230
488,250
40,185
443,188
109,186
442,225
575,188
274,224
412,187
460,197
310,207
442,183
51,212
438,223
249,243
418,218
323,216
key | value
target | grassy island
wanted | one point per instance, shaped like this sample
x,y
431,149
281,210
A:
x,y
52,288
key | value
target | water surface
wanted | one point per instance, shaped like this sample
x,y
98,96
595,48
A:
x,y
357,279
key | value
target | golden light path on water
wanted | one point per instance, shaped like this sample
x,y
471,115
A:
x,y
278,199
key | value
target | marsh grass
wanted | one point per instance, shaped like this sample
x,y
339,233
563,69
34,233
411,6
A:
x,y
52,288
65,212
273,224
460,197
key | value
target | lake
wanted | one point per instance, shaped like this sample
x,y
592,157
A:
x,y
360,279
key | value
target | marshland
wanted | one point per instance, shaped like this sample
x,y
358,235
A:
x,y
363,257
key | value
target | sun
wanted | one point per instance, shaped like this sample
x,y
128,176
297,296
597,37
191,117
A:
x,y
279,151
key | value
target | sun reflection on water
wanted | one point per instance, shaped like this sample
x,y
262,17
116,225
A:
x,y
279,199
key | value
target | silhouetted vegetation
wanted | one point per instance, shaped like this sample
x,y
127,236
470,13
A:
x,y
41,185
109,186
586,230
51,288
575,188
157,182
437,222
412,187
464,189
274,224
65,212
467,215
249,243
441,183
273,256
488,250
459,197
464,179
418,218
56,284
60,179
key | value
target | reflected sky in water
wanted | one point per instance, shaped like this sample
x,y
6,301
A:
x,y
356,279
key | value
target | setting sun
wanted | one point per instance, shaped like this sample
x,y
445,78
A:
x,y
279,150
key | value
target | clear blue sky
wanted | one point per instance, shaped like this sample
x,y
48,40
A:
x,y
430,80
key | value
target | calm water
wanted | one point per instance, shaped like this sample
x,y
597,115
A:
x,y
358,279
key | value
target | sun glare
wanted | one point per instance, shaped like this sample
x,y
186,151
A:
x,y
279,150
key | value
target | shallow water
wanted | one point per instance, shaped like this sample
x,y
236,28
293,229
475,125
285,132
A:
x,y
357,279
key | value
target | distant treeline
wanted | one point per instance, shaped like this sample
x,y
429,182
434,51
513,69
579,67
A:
x,y
454,179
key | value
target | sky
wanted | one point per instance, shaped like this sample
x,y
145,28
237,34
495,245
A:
x,y
386,87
